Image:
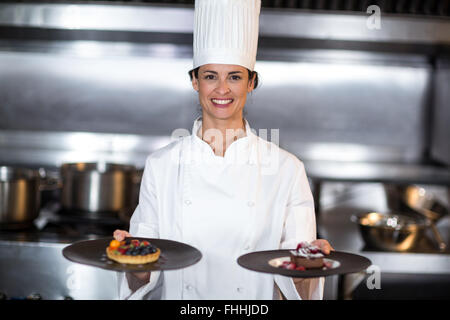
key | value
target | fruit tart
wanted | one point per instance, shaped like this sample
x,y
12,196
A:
x,y
307,256
132,251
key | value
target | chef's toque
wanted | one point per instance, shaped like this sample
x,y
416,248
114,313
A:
x,y
226,32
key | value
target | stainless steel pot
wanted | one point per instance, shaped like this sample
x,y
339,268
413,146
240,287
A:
x,y
98,187
390,232
19,196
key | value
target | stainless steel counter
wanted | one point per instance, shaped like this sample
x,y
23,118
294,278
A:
x,y
39,269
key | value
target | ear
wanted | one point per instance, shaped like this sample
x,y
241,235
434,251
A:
x,y
251,84
194,83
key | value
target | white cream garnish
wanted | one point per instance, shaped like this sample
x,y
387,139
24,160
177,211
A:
x,y
305,252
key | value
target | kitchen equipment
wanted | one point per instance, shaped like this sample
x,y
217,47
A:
x,y
391,232
95,189
174,255
263,261
20,195
424,202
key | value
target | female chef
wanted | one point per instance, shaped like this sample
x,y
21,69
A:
x,y
223,189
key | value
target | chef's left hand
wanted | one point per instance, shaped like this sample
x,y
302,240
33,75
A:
x,y
324,245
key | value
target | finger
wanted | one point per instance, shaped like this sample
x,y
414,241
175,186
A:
x,y
119,235
327,248
324,245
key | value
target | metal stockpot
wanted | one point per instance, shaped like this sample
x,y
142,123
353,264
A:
x,y
19,196
98,187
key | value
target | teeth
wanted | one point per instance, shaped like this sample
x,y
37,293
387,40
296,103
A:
x,y
221,101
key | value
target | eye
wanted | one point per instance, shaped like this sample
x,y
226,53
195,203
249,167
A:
x,y
209,77
235,77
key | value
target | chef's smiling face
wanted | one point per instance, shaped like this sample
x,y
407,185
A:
x,y
222,90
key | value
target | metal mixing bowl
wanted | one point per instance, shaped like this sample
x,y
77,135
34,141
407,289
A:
x,y
389,232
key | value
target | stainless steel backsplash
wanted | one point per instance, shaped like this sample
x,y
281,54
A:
x,y
319,104
74,89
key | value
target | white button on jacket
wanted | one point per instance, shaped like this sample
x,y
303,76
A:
x,y
220,205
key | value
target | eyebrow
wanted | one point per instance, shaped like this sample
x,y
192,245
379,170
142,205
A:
x,y
214,72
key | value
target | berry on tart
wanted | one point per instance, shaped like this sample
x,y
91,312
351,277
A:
x,y
307,256
132,251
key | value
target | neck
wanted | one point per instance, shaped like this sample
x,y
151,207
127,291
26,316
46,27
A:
x,y
220,133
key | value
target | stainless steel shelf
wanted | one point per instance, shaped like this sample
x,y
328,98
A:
x,y
400,173
273,22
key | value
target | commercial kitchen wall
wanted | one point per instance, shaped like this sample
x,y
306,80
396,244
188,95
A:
x,y
373,105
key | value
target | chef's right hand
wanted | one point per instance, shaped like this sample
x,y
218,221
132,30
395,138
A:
x,y
144,277
120,235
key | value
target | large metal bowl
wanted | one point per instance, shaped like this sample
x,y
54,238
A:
x,y
389,232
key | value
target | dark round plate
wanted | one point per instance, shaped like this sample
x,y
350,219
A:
x,y
174,255
263,261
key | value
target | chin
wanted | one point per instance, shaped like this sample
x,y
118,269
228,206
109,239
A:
x,y
222,114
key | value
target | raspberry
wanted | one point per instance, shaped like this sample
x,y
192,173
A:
x,y
291,266
300,268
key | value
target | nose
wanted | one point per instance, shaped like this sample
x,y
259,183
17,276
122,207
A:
x,y
223,87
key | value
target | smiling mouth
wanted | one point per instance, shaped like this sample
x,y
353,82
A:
x,y
221,103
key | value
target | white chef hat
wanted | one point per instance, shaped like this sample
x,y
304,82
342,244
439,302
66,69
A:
x,y
226,32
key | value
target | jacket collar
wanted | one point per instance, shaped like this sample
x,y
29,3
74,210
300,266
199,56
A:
x,y
241,151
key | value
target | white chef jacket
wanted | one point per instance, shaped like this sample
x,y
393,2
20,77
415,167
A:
x,y
256,197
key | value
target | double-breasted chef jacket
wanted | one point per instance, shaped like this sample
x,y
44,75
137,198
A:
x,y
257,197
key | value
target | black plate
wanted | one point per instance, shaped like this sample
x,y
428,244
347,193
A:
x,y
174,255
259,261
